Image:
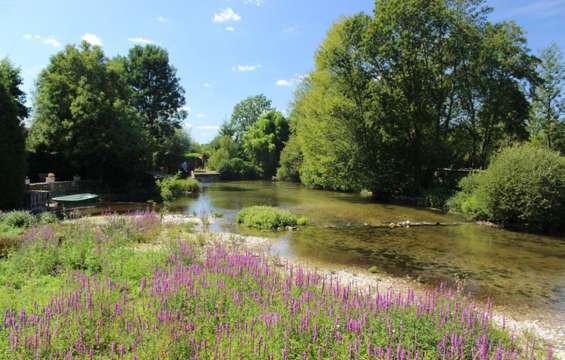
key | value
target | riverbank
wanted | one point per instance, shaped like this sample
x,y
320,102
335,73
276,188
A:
x,y
223,284
525,323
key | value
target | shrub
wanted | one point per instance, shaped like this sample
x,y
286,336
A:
x,y
173,187
435,197
237,169
17,219
47,218
268,218
524,186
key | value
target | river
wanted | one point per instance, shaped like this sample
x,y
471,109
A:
x,y
511,268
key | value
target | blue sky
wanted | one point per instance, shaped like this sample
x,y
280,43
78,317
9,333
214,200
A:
x,y
224,50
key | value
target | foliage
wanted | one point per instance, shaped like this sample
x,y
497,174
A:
x,y
173,186
547,124
524,186
238,169
419,86
12,141
245,114
81,112
290,161
465,201
222,148
173,150
264,141
47,217
156,94
268,218
435,197
17,219
105,296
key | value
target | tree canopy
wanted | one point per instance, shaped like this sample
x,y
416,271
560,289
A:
x,y
419,86
12,139
264,141
548,108
82,113
245,114
156,93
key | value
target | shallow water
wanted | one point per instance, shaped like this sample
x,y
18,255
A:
x,y
511,268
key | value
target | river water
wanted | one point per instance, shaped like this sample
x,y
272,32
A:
x,y
522,271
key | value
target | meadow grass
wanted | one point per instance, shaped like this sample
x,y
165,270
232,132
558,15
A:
x,y
133,288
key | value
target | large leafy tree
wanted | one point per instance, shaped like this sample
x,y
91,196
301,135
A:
x,y
83,115
156,93
245,114
548,109
395,96
264,141
12,138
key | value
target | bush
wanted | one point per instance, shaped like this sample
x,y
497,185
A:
x,y
268,218
435,197
237,169
173,187
524,186
47,218
17,219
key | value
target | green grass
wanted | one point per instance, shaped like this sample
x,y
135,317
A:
x,y
269,218
133,288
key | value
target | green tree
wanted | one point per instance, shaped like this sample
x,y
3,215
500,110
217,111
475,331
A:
x,y
81,112
264,141
174,151
221,149
548,106
156,93
12,139
420,86
245,114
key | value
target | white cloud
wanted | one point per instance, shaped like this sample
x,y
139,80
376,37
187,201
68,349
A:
x,y
140,40
226,15
254,2
284,82
291,82
47,40
92,39
207,85
230,28
200,115
245,68
52,41
208,127
290,29
540,8
162,19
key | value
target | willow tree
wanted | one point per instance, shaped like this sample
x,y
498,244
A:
x,y
12,140
264,141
